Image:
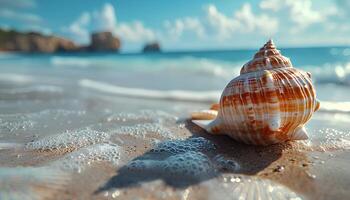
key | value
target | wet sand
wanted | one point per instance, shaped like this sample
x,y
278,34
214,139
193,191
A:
x,y
290,170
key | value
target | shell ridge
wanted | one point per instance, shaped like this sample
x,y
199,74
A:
x,y
311,93
302,105
308,103
290,98
242,133
250,112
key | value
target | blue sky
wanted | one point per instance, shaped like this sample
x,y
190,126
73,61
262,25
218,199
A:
x,y
186,24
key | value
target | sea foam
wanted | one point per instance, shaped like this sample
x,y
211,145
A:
x,y
69,140
84,157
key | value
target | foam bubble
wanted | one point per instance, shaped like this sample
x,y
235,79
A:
x,y
69,140
199,144
143,116
79,160
179,163
143,130
10,126
42,114
330,139
10,123
193,164
186,166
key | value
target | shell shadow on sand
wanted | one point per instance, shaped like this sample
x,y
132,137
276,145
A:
x,y
187,162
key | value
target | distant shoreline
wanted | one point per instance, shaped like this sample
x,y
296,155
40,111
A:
x,y
164,51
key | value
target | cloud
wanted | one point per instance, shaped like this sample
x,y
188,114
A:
x,y
249,22
242,21
300,12
224,25
20,16
134,32
175,29
274,5
106,20
78,29
217,25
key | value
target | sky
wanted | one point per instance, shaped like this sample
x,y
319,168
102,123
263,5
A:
x,y
186,24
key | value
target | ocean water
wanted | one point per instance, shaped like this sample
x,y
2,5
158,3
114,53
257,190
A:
x,y
125,114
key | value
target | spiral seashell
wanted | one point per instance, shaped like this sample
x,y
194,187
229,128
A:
x,y
269,102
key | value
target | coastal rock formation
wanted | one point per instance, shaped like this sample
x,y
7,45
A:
x,y
151,47
104,41
33,42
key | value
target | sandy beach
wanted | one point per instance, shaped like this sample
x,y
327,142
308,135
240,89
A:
x,y
100,131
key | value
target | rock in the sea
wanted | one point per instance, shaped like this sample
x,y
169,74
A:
x,y
151,47
104,41
33,42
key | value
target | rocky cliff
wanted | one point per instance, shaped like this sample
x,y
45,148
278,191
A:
x,y
151,47
104,41
36,42
33,42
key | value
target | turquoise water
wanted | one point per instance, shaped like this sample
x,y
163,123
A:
x,y
206,70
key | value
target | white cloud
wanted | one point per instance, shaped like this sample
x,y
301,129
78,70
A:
x,y
242,21
224,25
176,28
274,5
106,20
20,16
300,11
79,28
250,22
134,32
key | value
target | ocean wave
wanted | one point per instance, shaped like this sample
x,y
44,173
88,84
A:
x,y
335,73
187,95
198,66
177,95
15,78
33,89
71,61
335,107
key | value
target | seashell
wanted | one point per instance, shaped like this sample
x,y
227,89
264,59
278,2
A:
x,y
204,115
269,102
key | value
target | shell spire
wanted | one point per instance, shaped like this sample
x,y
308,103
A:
x,y
268,57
